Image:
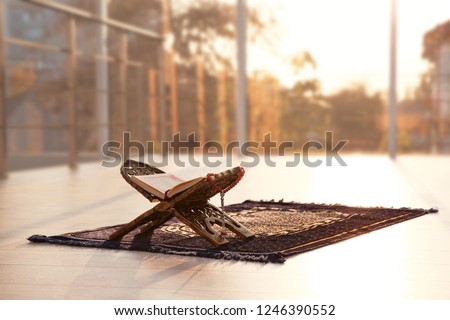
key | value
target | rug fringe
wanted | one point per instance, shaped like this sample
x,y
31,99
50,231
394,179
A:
x,y
273,257
281,201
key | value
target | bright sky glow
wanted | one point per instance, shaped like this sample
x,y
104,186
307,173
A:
x,y
349,39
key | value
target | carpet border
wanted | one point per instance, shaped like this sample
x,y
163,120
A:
x,y
353,233
263,257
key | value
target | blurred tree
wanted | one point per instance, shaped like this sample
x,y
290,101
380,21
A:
x,y
264,107
305,115
207,29
434,39
423,94
204,28
418,117
435,50
301,61
356,116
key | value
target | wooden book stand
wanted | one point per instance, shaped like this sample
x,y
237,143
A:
x,y
190,206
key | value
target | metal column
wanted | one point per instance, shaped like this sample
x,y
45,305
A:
x,y
3,147
102,77
123,66
71,87
393,83
241,83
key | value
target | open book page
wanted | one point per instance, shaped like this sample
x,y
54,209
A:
x,y
157,184
166,186
162,185
182,187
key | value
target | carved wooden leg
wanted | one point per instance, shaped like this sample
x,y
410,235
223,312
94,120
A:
x,y
201,219
157,216
156,223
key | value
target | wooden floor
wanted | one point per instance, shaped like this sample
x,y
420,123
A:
x,y
407,260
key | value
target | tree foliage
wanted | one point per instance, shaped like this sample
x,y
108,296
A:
x,y
302,60
356,116
305,115
206,28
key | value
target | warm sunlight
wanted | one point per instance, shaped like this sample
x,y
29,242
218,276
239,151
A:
x,y
349,39
189,154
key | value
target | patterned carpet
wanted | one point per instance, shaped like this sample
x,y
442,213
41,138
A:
x,y
282,229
